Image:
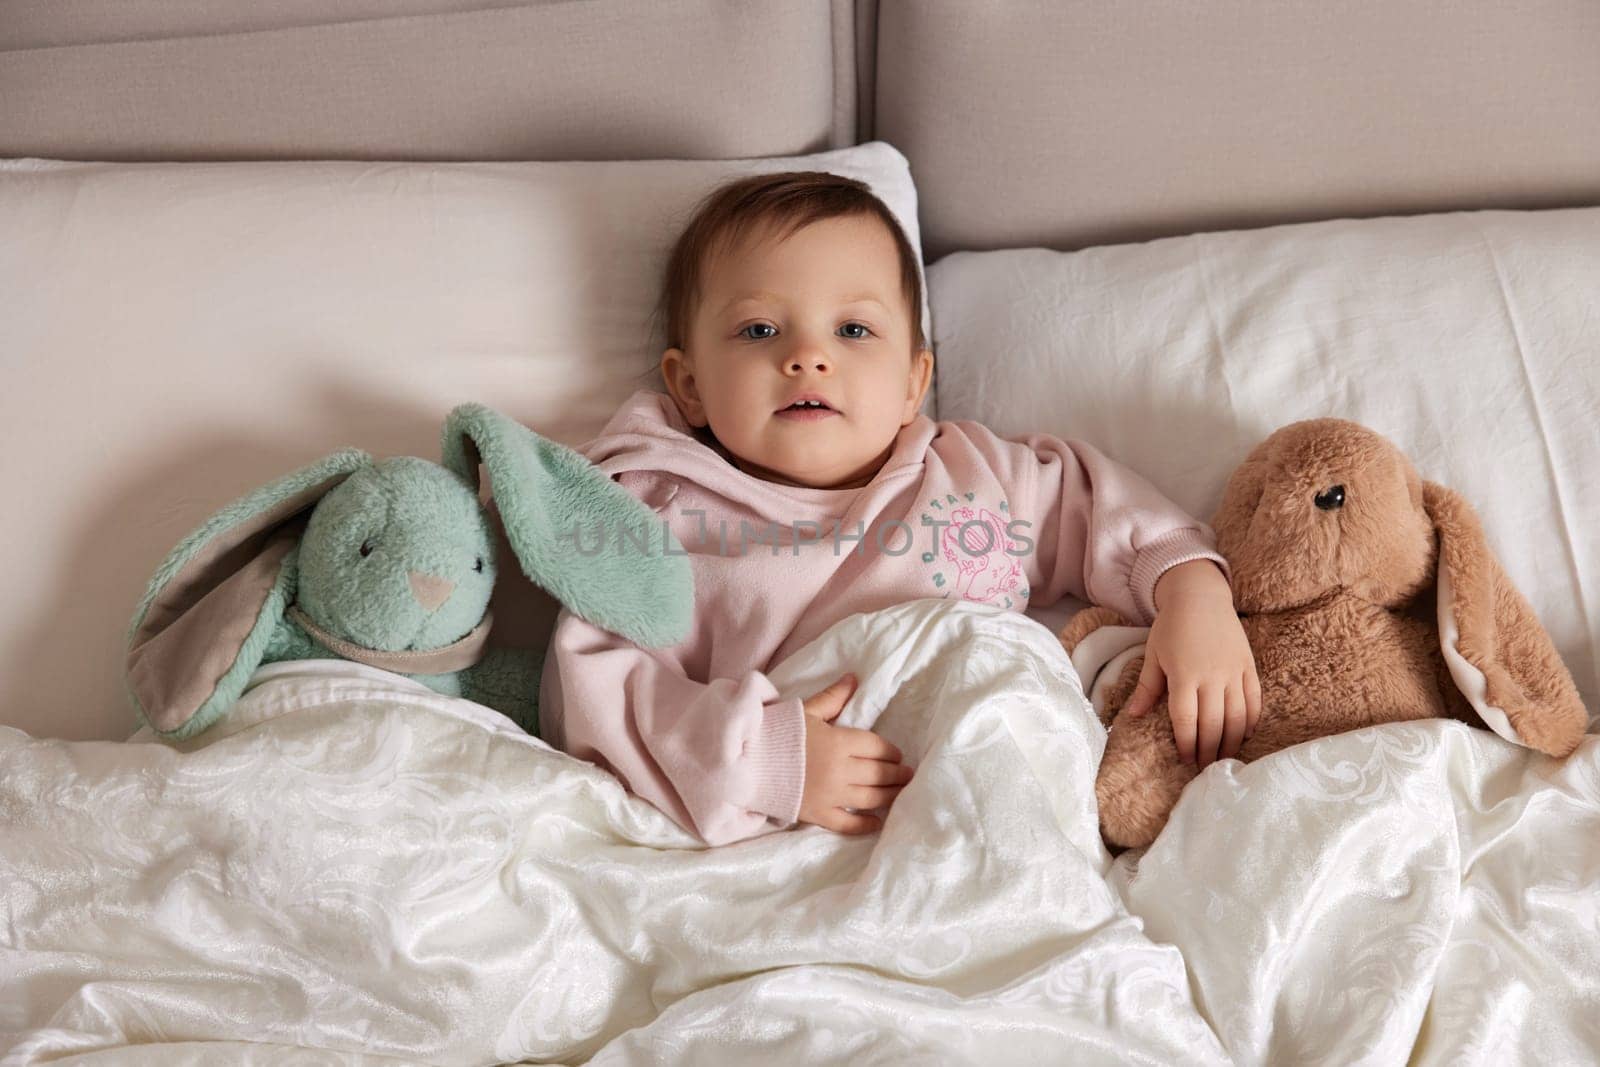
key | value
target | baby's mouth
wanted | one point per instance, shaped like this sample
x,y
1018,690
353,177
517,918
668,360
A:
x,y
811,403
807,411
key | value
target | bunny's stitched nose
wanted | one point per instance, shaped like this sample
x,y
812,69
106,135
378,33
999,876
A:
x,y
430,591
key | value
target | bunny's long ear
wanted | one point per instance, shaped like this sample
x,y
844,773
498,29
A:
x,y
203,624
1497,652
582,537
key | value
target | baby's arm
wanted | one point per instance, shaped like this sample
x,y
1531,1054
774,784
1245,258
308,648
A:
x,y
1101,532
721,759
1106,535
849,772
1198,653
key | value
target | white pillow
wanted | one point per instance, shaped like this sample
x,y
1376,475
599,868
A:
x,y
178,334
1470,339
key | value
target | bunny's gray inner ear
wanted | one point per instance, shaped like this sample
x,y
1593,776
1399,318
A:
x,y
458,448
579,535
207,614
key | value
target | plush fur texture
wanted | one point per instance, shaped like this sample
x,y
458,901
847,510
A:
x,y
396,556
236,523
575,531
1338,602
412,517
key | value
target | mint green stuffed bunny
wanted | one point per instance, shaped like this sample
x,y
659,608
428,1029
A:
x,y
391,563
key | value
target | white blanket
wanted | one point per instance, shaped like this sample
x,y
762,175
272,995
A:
x,y
354,863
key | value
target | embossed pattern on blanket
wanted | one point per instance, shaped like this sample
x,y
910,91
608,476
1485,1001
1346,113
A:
x,y
355,864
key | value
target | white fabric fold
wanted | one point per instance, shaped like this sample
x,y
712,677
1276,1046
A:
x,y
354,864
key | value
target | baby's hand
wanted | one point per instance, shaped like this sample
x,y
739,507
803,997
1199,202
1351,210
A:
x,y
1198,654
846,767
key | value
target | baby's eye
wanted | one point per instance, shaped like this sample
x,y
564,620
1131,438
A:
x,y
757,326
865,332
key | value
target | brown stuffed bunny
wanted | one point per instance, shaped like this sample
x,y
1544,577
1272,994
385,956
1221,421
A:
x,y
1368,596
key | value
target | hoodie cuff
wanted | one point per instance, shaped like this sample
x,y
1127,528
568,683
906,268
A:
x,y
778,761
1165,553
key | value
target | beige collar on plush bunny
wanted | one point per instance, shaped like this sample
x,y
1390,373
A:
x,y
452,657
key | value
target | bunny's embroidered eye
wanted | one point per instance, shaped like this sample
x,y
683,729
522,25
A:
x,y
478,565
1330,499
366,548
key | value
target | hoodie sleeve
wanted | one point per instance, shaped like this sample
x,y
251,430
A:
x,y
724,759
1100,532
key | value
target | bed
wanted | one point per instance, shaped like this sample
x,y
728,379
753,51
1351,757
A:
x,y
236,238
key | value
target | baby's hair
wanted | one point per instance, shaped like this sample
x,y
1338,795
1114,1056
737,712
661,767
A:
x,y
788,201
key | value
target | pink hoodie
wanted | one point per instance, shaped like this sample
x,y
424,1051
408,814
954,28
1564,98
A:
x,y
956,511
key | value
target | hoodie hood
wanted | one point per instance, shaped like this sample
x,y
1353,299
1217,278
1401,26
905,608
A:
x,y
651,448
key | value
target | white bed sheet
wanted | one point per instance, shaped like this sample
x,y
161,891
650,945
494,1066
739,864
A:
x,y
355,864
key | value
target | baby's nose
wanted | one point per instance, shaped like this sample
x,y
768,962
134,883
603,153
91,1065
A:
x,y
813,360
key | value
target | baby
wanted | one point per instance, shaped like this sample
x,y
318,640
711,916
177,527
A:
x,y
790,459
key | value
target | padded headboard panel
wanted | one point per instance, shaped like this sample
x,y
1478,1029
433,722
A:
x,y
425,79
1069,123
1062,123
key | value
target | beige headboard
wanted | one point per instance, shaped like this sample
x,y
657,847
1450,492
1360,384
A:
x,y
1077,123
1061,123
425,79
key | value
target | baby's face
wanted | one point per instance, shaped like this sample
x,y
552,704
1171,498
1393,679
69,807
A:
x,y
819,314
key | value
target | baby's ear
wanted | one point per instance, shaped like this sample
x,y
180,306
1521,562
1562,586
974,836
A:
x,y
678,376
578,534
1497,652
921,378
203,624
